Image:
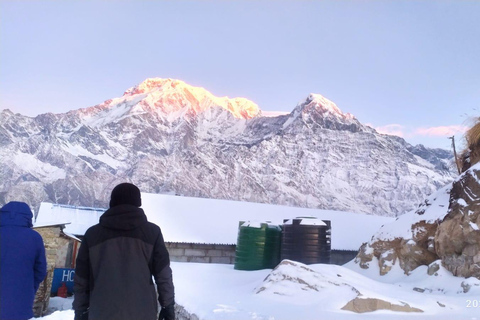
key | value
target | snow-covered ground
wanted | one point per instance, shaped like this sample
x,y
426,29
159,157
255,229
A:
x,y
296,291
293,290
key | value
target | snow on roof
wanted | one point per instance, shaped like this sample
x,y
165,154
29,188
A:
x,y
71,236
50,224
201,220
76,219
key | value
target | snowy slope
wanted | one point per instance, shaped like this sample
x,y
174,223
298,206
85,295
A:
x,y
434,209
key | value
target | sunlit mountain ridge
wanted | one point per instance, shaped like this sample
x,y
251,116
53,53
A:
x,y
169,137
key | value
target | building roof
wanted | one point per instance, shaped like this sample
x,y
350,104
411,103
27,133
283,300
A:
x,y
76,219
200,220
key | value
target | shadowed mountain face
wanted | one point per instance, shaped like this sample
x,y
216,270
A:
x,y
168,137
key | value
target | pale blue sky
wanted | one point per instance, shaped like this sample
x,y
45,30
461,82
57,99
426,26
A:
x,y
408,65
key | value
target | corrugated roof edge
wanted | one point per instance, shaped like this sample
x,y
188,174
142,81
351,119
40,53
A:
x,y
78,207
72,236
52,224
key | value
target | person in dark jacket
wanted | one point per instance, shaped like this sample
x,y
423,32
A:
x,y
116,262
23,265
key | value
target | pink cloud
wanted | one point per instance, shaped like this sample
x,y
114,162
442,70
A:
x,y
442,131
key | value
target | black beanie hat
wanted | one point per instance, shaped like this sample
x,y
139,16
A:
x,y
125,193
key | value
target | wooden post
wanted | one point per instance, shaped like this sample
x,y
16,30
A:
x,y
73,263
455,153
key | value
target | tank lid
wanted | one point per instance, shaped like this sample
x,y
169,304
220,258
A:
x,y
307,221
257,224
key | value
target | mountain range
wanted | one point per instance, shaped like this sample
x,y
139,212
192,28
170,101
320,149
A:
x,y
169,137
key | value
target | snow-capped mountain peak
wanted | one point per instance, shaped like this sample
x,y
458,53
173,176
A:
x,y
318,110
324,106
152,84
168,100
173,96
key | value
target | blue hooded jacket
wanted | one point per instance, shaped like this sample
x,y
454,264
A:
x,y
22,262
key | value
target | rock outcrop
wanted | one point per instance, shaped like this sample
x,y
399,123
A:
x,y
445,227
457,239
409,241
362,305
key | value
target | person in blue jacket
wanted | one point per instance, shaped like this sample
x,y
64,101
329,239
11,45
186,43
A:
x,y
23,264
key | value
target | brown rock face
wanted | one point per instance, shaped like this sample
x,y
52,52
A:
x,y
457,239
420,249
408,242
410,253
386,253
453,237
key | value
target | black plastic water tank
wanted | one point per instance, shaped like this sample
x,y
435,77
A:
x,y
306,240
258,246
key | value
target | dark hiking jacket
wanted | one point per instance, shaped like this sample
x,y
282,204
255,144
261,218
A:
x,y
115,265
23,265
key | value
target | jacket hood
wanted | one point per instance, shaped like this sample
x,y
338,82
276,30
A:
x,y
16,213
123,217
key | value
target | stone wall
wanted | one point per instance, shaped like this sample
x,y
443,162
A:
x,y
57,248
225,253
202,253
50,237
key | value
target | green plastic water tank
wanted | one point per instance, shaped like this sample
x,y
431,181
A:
x,y
258,246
